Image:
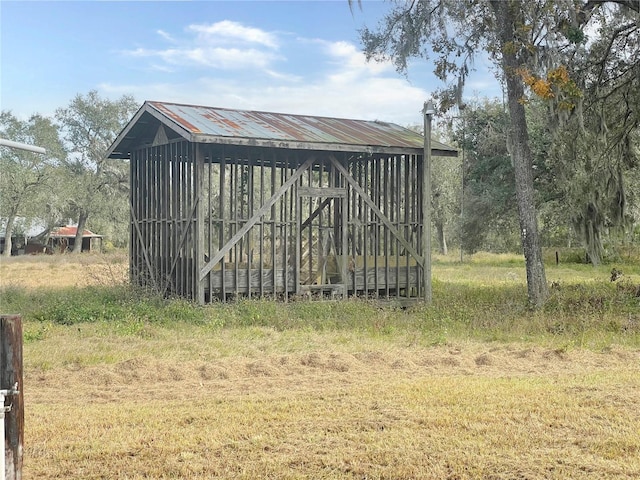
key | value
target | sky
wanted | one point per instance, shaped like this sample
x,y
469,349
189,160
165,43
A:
x,y
300,57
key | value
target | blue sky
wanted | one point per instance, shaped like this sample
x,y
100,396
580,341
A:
x,y
284,56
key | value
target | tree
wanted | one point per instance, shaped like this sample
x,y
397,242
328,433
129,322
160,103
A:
x,y
524,39
445,201
26,176
595,153
445,186
90,125
490,215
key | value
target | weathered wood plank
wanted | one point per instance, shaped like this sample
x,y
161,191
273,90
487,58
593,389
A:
x,y
377,211
11,373
322,192
266,279
199,224
252,221
396,278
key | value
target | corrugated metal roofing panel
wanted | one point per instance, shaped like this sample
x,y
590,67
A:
x,y
70,231
278,127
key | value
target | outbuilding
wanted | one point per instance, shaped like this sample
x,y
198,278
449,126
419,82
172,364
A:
x,y
228,203
62,239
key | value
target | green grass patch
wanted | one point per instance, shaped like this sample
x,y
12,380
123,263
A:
x,y
482,299
591,314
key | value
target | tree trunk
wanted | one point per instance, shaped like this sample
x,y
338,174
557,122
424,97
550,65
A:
x,y
442,239
521,154
82,221
8,244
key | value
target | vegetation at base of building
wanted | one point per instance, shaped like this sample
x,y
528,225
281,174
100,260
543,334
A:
x,y
482,299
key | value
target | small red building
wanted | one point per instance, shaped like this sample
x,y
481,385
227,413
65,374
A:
x,y
62,239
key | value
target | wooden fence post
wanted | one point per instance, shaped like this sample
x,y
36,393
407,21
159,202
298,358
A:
x,y
10,374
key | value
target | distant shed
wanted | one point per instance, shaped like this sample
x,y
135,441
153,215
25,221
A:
x,y
62,239
228,203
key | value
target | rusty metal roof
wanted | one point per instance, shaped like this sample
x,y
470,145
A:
x,y
70,231
201,124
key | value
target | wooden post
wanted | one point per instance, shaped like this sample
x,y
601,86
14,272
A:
x,y
10,374
428,112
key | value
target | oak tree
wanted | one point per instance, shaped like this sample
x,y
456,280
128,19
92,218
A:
x,y
526,40
90,123
27,179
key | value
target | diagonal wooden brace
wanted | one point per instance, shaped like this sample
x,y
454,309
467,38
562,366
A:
x,y
367,199
253,220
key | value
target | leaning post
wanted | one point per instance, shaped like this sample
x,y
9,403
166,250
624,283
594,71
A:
x,y
11,391
428,112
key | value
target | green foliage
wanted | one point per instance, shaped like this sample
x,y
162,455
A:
x,y
96,304
96,187
590,314
490,219
27,179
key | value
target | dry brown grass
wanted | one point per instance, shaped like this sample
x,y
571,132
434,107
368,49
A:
x,y
63,271
459,411
192,402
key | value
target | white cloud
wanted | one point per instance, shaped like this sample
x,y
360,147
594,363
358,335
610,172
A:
x,y
353,59
322,77
228,31
166,36
390,99
223,45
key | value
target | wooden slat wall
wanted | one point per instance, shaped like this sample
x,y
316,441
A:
x,y
188,201
164,219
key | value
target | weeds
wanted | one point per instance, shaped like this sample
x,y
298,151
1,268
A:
x,y
483,300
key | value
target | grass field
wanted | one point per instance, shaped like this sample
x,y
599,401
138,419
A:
x,y
121,384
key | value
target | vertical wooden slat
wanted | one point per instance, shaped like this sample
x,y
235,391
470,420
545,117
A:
x,y
162,220
143,217
159,215
182,185
397,167
178,182
177,185
298,233
186,222
173,205
210,210
405,219
236,219
250,243
146,213
310,248
11,373
173,213
273,226
153,211
261,238
365,222
191,241
285,230
420,169
133,196
199,226
223,223
376,226
345,240
184,219
385,199
355,229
